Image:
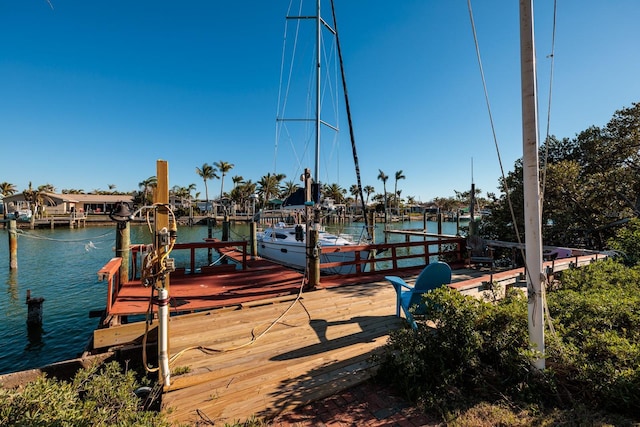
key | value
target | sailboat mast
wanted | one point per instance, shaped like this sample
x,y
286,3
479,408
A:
x,y
318,76
532,209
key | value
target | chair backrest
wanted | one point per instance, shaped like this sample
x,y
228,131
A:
x,y
434,275
477,246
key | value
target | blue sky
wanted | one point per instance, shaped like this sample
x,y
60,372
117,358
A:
x,y
93,93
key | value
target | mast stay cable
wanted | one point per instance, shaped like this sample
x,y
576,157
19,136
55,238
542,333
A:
x,y
351,134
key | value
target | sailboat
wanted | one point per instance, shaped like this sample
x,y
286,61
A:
x,y
287,244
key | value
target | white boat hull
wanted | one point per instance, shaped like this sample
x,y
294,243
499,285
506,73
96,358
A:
x,y
292,253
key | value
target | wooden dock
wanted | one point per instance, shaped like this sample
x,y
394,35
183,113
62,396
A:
x,y
322,344
256,345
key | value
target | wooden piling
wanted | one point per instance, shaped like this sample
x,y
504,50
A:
x,y
254,239
314,260
34,309
123,242
225,228
13,245
209,236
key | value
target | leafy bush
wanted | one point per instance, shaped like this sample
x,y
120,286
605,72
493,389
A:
x,y
627,241
597,317
475,349
95,397
478,351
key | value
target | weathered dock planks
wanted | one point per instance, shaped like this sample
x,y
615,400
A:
x,y
323,344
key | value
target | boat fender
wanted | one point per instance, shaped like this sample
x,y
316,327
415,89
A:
x,y
299,233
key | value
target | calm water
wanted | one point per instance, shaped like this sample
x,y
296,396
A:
x,y
60,266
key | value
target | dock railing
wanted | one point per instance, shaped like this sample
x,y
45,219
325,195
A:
x,y
396,257
111,273
239,247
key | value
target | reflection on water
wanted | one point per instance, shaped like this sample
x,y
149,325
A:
x,y
12,285
60,266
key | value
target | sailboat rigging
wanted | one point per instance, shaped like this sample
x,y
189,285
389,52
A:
x,y
289,244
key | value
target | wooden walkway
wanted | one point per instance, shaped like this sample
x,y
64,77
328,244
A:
x,y
321,345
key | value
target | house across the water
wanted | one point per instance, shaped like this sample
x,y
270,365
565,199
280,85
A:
x,y
65,204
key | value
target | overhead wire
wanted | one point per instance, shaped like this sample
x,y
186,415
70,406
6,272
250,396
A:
x,y
551,69
493,128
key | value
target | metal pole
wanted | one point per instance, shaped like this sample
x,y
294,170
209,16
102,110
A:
x,y
532,211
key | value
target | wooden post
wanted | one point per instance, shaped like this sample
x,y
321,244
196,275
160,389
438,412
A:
x,y
372,225
314,260
254,240
225,228
209,236
123,242
13,245
34,310
161,196
440,216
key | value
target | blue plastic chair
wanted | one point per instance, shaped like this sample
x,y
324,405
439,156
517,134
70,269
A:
x,y
433,276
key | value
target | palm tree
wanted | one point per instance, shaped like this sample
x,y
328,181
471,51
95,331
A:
x,y
37,197
237,179
288,188
206,172
399,176
223,167
335,192
383,177
353,190
269,186
7,189
72,191
369,190
241,194
147,187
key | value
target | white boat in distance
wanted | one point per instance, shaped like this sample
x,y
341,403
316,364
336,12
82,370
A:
x,y
286,244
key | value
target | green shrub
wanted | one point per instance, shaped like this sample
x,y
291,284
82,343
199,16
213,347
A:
x,y
95,397
627,241
596,314
479,351
475,351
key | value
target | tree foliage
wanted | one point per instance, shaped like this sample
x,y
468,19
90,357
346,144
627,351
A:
x,y
590,182
627,242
